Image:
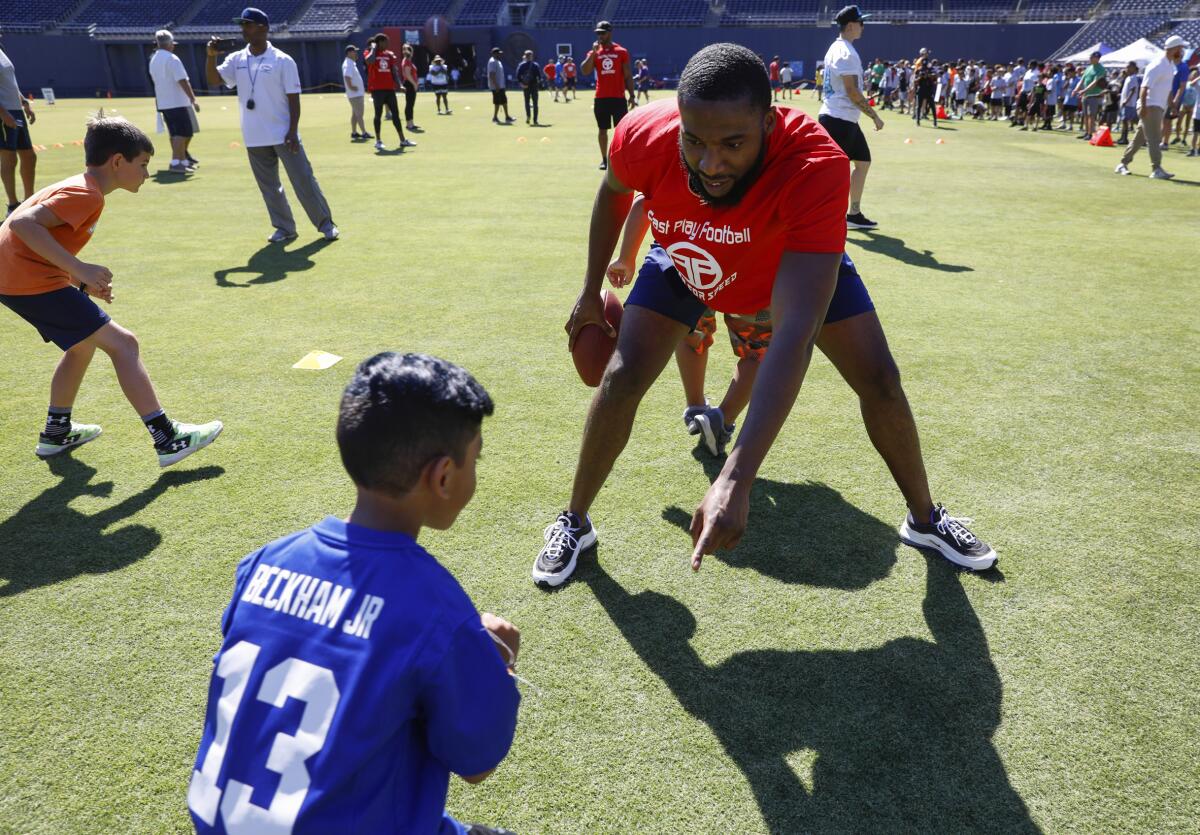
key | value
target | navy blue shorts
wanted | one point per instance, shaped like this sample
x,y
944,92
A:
x,y
659,288
178,121
16,139
65,317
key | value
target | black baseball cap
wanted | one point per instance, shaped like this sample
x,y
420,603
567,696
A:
x,y
603,26
253,15
850,14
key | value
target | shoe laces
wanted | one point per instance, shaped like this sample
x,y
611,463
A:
x,y
955,527
559,539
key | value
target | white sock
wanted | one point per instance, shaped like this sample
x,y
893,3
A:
x,y
176,162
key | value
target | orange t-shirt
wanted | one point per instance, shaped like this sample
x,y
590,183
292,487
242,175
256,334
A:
x,y
76,201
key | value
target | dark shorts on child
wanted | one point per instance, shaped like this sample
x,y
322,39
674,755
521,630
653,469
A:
x,y
65,317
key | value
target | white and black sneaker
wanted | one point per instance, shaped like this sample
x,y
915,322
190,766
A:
x,y
949,537
859,221
689,417
715,433
566,539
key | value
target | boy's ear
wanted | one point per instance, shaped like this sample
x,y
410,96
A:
x,y
438,475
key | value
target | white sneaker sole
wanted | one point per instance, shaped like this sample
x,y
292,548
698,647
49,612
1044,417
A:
x,y
49,451
176,457
707,434
553,580
920,540
850,225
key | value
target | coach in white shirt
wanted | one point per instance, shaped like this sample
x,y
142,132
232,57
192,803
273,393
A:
x,y
1152,104
268,87
842,104
175,100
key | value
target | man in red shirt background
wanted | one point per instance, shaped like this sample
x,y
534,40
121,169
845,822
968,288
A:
x,y
746,203
383,80
614,84
570,72
549,71
774,69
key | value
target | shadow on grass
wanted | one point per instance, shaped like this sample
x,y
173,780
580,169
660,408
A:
x,y
889,739
896,248
274,262
165,177
47,541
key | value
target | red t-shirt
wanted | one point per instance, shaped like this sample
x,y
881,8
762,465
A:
x,y
569,69
728,255
408,71
610,64
379,73
550,70
774,70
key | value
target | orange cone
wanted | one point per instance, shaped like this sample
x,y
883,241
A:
x,y
1102,138
940,142
908,141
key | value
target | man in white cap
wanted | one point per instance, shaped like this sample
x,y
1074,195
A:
x,y
1152,104
175,99
844,101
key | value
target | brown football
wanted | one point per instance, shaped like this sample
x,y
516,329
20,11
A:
x,y
593,347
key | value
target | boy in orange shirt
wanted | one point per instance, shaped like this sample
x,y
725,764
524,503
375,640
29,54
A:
x,y
43,282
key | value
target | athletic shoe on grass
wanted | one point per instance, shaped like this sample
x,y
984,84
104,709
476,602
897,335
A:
x,y
79,435
188,438
566,538
859,221
689,417
280,236
408,143
1159,174
950,538
1121,169
714,431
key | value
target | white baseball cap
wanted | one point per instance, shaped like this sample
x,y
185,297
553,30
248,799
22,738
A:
x,y
1174,41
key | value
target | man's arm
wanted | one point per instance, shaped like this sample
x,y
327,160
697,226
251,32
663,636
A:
x,y
186,86
292,140
803,287
350,84
589,60
858,100
608,213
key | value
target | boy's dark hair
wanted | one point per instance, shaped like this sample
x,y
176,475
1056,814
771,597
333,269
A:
x,y
401,411
726,72
108,135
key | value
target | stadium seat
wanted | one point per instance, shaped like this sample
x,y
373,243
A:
x,y
660,12
411,12
571,12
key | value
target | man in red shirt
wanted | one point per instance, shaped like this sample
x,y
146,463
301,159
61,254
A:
x,y
569,72
614,84
774,68
747,206
550,70
383,80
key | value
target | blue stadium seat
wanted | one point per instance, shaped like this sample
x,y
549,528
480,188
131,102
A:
x,y
1049,10
35,13
1114,31
328,16
770,12
141,14
660,12
571,13
411,12
222,12
478,13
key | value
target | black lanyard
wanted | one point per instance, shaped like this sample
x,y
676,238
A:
x,y
253,76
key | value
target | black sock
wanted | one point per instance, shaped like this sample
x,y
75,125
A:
x,y
58,422
161,429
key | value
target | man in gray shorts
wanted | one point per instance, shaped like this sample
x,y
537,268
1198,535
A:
x,y
16,115
1092,87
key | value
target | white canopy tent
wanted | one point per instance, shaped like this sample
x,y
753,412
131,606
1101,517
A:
x,y
1085,55
1141,52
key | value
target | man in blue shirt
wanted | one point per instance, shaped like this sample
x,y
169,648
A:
x,y
355,674
1175,105
530,77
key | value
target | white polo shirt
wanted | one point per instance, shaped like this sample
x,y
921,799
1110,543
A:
x,y
1159,76
267,79
350,70
166,71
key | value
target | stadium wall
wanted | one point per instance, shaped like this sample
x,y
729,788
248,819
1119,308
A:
x,y
79,66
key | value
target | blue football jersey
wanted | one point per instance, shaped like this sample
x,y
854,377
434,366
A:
x,y
353,678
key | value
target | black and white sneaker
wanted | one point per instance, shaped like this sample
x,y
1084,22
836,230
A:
x,y
689,417
480,829
566,539
950,538
859,221
713,430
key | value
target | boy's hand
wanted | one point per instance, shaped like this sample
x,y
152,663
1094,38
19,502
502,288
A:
x,y
97,279
619,273
506,632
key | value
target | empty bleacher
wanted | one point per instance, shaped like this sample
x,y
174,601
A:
x,y
1145,8
571,12
136,14
1045,10
1189,30
770,12
327,17
222,12
411,12
34,15
660,12
479,13
1114,31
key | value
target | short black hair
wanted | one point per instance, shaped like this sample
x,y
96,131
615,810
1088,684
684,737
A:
x,y
402,411
108,135
726,72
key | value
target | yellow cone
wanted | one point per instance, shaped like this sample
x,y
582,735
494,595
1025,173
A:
x,y
908,141
940,142
545,140
317,361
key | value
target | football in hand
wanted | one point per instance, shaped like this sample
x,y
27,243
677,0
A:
x,y
593,347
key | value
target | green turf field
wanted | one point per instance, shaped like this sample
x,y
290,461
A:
x,y
822,677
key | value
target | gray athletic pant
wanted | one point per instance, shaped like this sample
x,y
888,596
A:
x,y
1149,133
264,162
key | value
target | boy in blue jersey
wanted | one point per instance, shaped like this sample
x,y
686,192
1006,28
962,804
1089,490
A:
x,y
355,674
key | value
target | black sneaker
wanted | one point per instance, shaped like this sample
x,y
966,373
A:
x,y
715,433
192,161
566,539
689,417
604,165
859,221
950,538
480,829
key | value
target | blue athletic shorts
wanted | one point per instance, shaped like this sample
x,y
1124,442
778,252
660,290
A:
x,y
17,138
659,288
65,317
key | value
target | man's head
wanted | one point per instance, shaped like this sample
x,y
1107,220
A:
x,y
850,23
1174,48
406,50
381,41
255,25
409,428
497,52
351,52
164,40
725,118
529,55
118,148
604,33
1095,57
